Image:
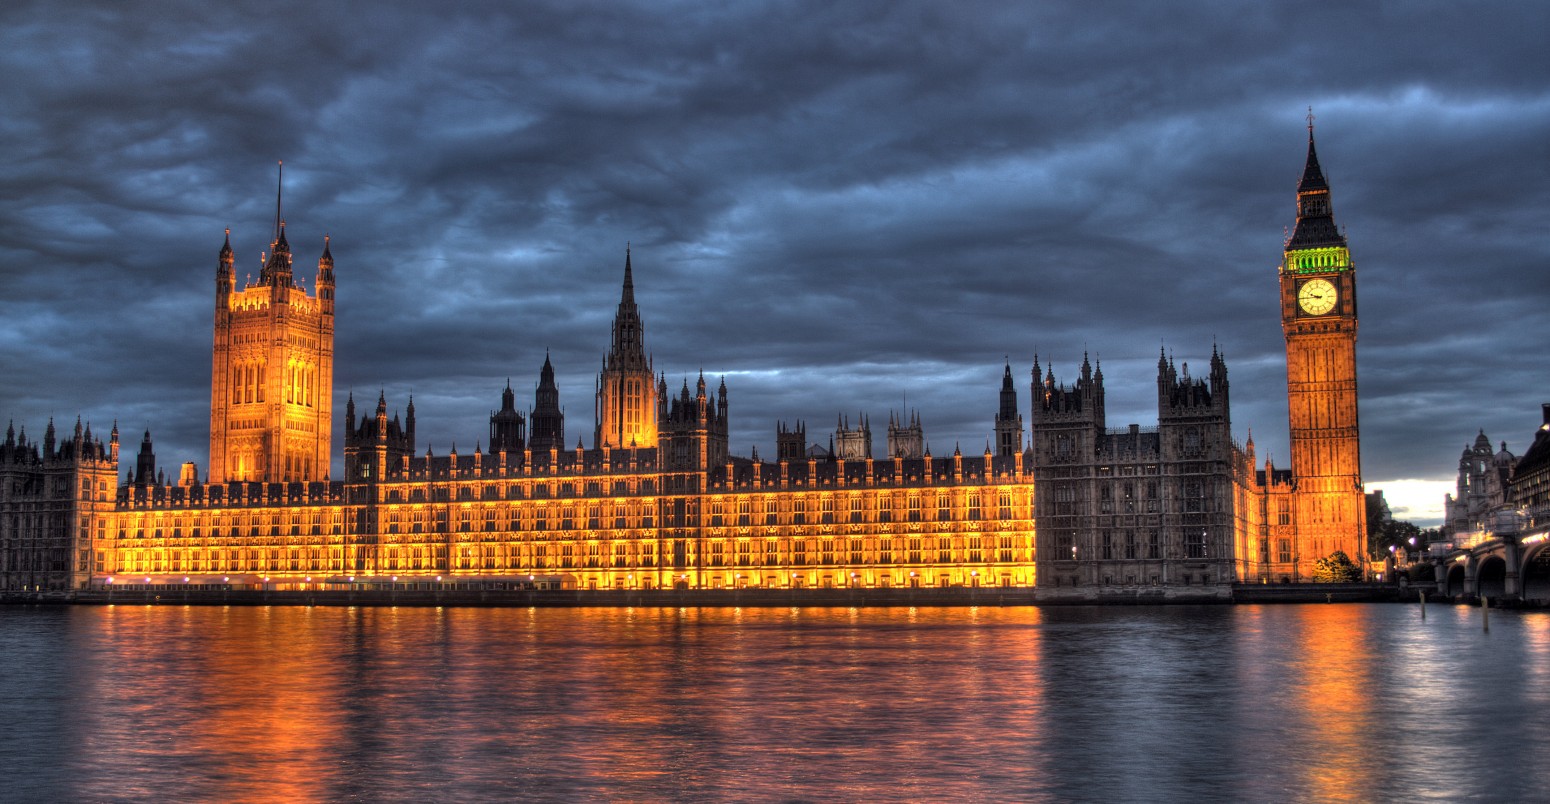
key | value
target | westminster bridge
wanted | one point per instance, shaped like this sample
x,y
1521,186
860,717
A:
x,y
1510,563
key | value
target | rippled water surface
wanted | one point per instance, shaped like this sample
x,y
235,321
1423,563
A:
x,y
1284,703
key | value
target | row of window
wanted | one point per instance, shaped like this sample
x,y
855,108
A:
x,y
746,511
1129,545
620,554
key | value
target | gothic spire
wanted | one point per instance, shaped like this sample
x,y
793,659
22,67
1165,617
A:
x,y
1008,411
546,374
629,279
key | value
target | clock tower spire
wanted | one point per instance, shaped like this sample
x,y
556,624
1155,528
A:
x,y
1318,318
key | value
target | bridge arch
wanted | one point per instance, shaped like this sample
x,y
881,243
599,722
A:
x,y
1535,575
1456,580
1491,577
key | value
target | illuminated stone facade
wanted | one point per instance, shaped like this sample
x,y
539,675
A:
x,y
680,513
272,372
610,518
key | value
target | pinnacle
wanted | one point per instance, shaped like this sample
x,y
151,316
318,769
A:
x,y
629,278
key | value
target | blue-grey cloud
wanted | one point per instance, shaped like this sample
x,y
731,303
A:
x,y
839,207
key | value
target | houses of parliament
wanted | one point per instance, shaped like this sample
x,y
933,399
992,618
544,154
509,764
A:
x,y
1069,504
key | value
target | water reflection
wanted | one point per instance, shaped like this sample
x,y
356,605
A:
x,y
1276,703
1334,700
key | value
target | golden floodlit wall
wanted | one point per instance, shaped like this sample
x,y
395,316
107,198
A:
x,y
743,525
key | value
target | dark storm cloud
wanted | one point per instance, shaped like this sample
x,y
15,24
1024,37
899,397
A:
x,y
839,207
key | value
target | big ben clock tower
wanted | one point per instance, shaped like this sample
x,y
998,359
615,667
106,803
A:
x,y
1318,316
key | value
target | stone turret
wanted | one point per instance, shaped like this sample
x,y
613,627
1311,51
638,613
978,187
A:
x,y
547,417
853,444
1009,421
508,430
906,437
694,434
791,443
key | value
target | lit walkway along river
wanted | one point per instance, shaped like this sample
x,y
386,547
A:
x,y
1317,702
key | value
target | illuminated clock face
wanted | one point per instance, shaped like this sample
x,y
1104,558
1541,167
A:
x,y
1317,296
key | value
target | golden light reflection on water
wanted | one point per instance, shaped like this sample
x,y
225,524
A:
x,y
256,704
1337,698
1257,703
270,720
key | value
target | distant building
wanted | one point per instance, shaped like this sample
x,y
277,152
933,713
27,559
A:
x,y
1481,491
1530,486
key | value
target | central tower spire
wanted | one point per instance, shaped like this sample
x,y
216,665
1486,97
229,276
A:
x,y
629,350
626,388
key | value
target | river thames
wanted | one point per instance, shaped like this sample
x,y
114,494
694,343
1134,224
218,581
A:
x,y
1253,703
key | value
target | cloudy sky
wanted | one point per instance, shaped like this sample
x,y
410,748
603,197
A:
x,y
839,207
